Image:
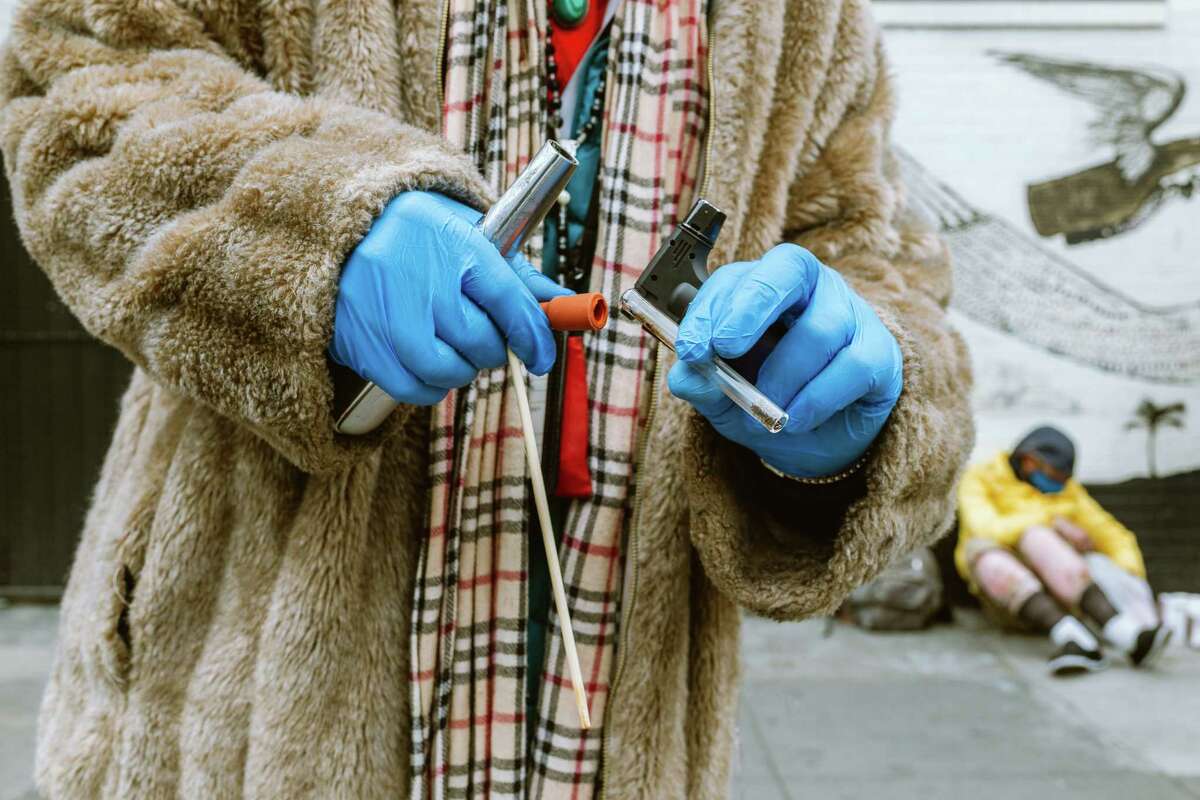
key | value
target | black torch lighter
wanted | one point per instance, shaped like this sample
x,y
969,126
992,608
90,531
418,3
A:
x,y
666,287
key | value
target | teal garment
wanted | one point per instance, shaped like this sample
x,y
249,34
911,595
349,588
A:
x,y
583,181
580,188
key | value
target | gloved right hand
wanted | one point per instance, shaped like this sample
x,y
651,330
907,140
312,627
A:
x,y
425,301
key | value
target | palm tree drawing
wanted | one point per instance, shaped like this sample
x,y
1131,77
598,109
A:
x,y
1151,416
1130,105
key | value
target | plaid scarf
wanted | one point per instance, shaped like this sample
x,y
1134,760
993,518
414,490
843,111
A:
x,y
470,607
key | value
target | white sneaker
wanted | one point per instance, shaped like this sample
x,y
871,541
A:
x,y
1071,659
1143,645
1078,651
1150,646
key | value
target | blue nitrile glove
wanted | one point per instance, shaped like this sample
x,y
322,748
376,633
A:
x,y
838,371
425,301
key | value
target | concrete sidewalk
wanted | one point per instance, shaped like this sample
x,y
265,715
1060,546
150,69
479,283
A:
x,y
959,711
26,646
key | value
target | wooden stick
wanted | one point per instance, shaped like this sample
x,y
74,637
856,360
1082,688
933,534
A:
x,y
517,376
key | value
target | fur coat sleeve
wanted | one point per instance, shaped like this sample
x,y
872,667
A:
x,y
788,550
193,214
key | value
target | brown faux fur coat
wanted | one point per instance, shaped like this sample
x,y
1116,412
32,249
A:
x,y
191,175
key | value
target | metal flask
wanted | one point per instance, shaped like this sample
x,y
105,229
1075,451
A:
x,y
359,405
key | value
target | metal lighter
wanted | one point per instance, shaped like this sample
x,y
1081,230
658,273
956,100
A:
x,y
359,405
666,287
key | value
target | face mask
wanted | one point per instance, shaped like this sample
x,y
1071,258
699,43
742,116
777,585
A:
x,y
1044,483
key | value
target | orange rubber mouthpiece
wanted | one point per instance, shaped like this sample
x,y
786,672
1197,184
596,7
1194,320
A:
x,y
578,312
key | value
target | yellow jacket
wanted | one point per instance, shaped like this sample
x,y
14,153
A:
x,y
994,505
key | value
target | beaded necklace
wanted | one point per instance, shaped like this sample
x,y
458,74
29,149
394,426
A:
x,y
577,273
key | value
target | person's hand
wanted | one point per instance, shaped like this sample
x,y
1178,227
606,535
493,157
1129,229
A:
x,y
837,372
1075,535
425,301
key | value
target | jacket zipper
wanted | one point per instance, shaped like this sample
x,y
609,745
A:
x,y
443,30
711,112
631,561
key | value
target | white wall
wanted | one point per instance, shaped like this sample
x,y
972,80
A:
x,y
6,9
987,130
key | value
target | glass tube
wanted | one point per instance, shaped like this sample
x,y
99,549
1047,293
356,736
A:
x,y
741,391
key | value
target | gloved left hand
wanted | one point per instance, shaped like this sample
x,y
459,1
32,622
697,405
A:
x,y
425,301
838,371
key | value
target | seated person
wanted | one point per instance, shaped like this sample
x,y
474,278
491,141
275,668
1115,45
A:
x,y
1023,527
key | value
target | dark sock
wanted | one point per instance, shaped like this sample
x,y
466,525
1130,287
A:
x,y
1041,612
1095,604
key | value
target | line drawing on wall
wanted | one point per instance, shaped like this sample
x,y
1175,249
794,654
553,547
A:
x,y
1129,105
1012,282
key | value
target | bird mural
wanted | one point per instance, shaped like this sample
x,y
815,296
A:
x,y
1010,281
1130,104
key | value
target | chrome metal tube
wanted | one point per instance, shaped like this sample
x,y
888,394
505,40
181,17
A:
x,y
525,204
741,391
507,225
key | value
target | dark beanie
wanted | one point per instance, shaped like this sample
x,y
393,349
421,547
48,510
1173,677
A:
x,y
1050,445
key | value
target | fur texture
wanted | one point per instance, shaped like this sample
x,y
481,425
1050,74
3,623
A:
x,y
191,175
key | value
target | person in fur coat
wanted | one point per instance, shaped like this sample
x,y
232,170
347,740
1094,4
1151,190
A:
x,y
197,177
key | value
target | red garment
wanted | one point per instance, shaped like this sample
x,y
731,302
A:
x,y
574,477
571,44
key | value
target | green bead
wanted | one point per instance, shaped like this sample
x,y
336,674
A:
x,y
569,13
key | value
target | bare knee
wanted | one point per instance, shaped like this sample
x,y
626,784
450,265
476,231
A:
x,y
1004,578
1056,561
996,560
1036,534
